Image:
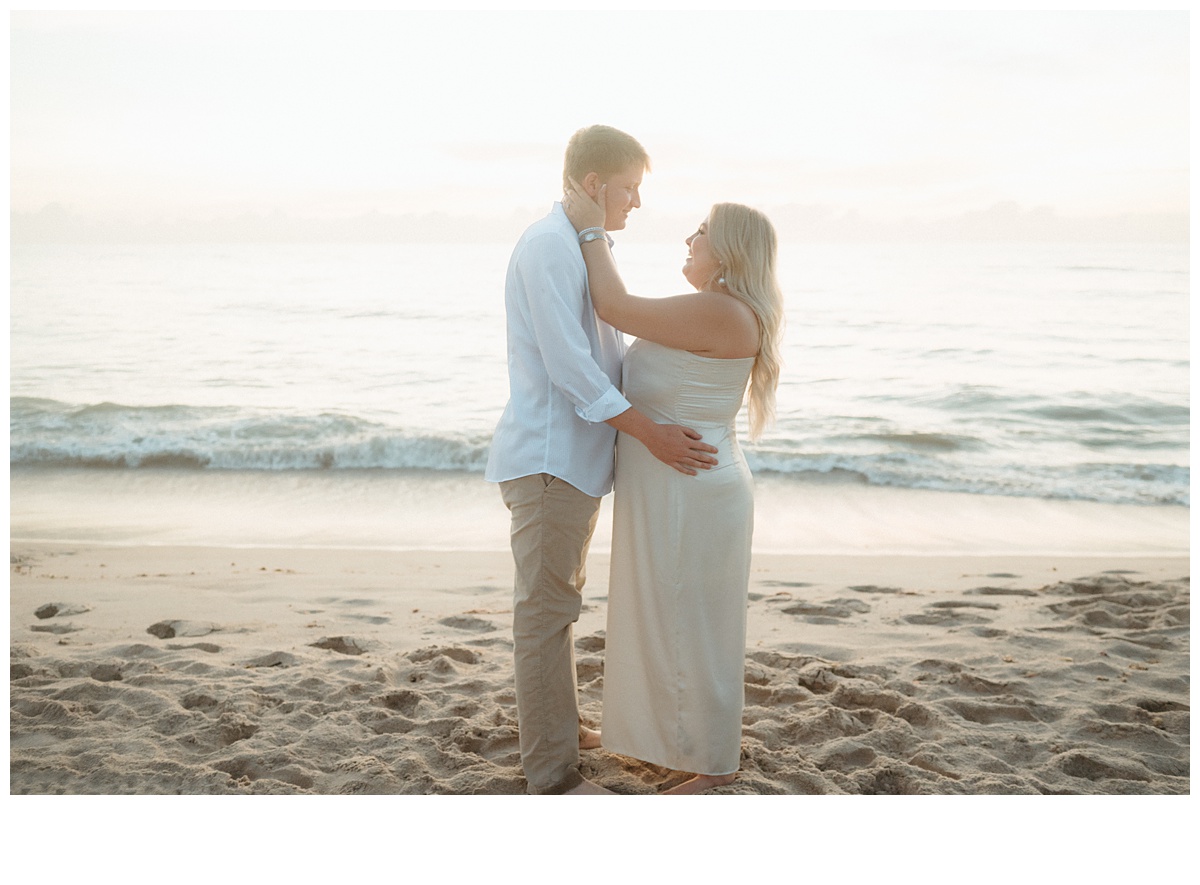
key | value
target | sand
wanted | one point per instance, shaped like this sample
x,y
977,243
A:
x,y
218,670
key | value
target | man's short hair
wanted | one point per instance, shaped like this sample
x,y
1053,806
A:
x,y
604,150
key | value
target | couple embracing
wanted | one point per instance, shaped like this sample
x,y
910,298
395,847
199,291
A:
x,y
659,416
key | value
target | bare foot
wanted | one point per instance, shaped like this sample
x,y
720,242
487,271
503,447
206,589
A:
x,y
700,783
588,739
587,788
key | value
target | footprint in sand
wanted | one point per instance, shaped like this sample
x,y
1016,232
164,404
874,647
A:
x,y
171,629
343,645
590,644
954,604
948,614
462,655
1094,765
54,609
990,713
404,702
55,628
999,591
588,670
833,609
107,673
1155,706
233,728
208,647
464,622
274,659
199,701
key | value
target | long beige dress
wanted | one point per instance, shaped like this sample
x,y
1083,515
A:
x,y
680,568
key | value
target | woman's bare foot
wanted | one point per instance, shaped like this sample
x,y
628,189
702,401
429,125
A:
x,y
587,788
588,739
700,783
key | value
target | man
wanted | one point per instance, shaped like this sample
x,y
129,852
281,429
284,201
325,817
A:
x,y
552,452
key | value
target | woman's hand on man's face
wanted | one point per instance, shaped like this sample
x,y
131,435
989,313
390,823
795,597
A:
x,y
584,211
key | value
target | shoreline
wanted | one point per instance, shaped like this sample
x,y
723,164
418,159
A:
x,y
415,510
217,670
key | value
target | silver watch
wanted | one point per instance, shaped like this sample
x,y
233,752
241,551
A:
x,y
592,235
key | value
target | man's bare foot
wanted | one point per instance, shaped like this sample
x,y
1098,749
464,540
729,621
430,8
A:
x,y
588,739
700,783
587,788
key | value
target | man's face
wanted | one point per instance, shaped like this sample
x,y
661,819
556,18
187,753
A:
x,y
622,196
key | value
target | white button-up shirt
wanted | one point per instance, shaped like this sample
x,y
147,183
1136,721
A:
x,y
564,366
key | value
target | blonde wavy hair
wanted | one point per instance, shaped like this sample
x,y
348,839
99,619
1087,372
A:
x,y
744,241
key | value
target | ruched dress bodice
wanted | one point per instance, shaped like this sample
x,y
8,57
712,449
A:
x,y
680,387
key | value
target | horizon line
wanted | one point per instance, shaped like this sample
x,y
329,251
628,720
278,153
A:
x,y
54,223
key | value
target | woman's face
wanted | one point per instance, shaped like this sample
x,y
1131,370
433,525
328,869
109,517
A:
x,y
701,266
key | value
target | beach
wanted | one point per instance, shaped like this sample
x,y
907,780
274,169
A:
x,y
258,353
260,559
142,667
252,550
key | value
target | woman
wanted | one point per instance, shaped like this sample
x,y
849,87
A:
x,y
680,568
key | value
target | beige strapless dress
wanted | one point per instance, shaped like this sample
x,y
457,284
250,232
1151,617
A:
x,y
680,568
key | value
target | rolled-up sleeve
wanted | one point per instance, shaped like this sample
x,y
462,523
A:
x,y
608,406
552,286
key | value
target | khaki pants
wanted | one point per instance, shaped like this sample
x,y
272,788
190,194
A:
x,y
552,525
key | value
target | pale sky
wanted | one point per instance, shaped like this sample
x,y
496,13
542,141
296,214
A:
x,y
892,116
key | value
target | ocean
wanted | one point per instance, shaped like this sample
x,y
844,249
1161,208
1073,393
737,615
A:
x,y
1044,372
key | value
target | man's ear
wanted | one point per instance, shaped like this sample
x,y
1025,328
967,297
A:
x,y
591,183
